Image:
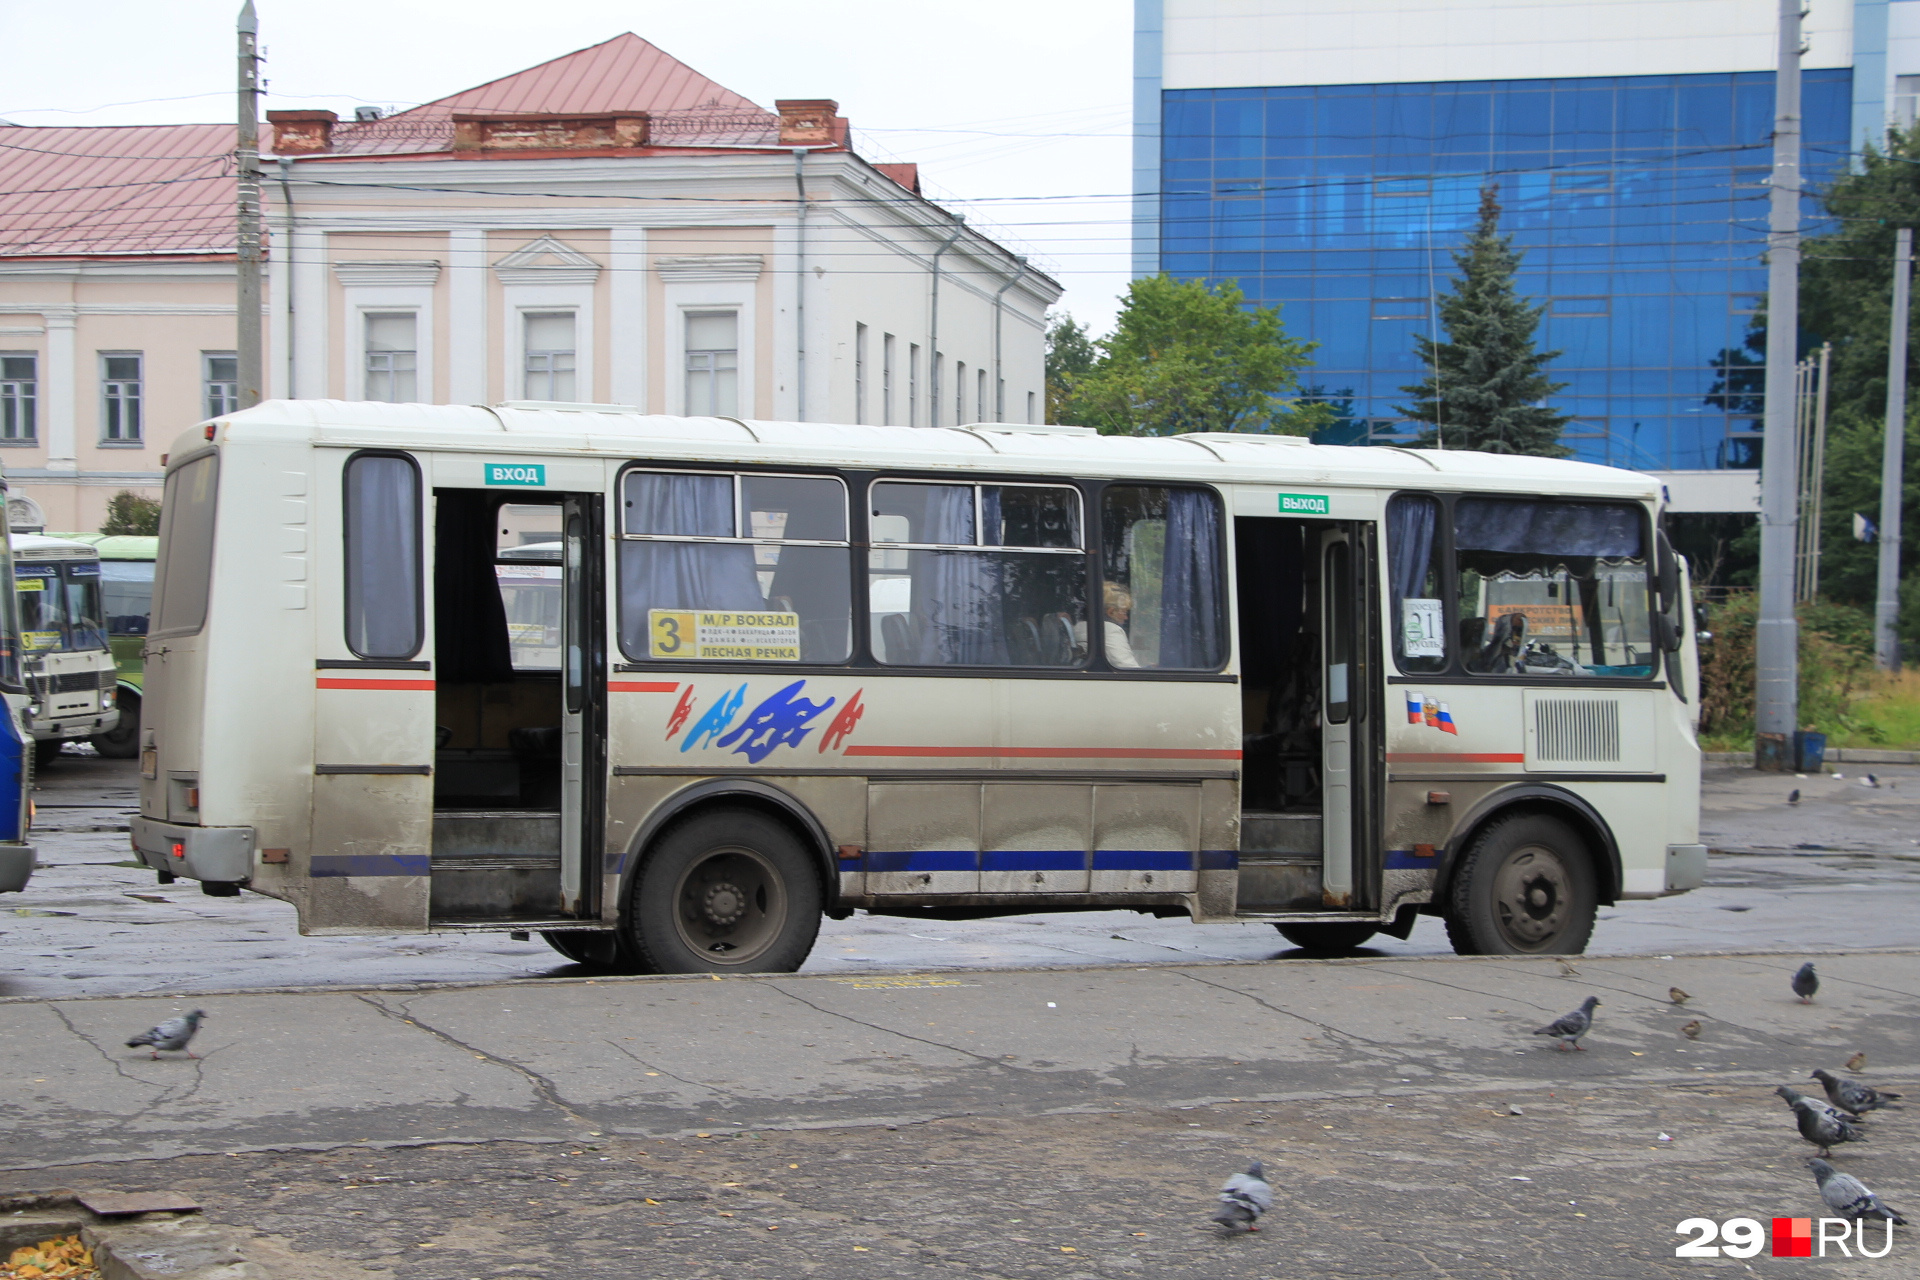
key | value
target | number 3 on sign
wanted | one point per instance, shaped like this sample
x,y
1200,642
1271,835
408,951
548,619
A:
x,y
671,632
1743,1238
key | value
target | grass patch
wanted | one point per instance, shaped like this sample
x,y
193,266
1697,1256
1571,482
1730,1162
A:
x,y
1884,712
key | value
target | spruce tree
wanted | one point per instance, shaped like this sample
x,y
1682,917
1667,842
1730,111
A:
x,y
1486,381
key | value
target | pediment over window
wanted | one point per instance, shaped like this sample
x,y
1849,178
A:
x,y
546,261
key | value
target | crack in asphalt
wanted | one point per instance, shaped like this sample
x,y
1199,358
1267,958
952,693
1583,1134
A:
x,y
889,1031
1264,1004
543,1088
698,1084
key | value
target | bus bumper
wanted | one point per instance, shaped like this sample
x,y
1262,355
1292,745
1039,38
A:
x,y
16,866
220,854
1686,867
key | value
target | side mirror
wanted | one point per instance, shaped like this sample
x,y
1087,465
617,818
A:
x,y
1666,572
1667,632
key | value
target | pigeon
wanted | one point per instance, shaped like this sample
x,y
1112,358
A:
x,y
1858,1062
1847,1196
1806,982
1245,1197
1820,1124
1678,996
1872,781
1851,1095
1793,796
1692,1030
171,1035
1569,1027
1794,1097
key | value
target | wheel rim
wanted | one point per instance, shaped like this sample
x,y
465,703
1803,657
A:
x,y
730,906
1533,897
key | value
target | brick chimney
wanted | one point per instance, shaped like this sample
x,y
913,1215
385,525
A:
x,y
808,122
548,131
302,133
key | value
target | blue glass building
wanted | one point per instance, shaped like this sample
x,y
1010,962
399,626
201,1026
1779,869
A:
x,y
1638,200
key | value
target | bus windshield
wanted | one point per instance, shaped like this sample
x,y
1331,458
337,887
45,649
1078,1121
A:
x,y
9,618
59,606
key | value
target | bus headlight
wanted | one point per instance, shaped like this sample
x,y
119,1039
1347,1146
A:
x,y
107,697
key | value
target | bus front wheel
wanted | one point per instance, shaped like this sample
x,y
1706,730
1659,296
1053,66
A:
x,y
1326,939
122,742
45,752
724,891
1524,887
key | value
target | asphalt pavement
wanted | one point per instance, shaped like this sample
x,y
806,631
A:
x,y
1841,868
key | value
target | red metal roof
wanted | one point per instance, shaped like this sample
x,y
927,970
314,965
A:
x,y
625,73
77,191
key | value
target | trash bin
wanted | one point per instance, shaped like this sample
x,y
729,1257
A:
x,y
1809,751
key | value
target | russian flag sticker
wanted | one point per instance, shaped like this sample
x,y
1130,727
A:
x,y
1416,704
1446,721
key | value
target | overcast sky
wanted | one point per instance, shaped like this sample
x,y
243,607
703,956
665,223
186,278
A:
x,y
1017,111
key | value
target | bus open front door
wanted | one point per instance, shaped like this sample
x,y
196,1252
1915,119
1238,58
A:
x,y
1309,715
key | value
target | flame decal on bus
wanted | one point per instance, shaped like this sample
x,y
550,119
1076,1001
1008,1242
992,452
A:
x,y
782,719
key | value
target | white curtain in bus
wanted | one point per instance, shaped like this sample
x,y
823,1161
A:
x,y
959,593
681,575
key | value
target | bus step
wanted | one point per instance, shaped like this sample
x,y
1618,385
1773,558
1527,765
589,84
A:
x,y
1294,835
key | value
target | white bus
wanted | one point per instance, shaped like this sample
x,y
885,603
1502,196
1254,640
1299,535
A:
x,y
773,670
65,651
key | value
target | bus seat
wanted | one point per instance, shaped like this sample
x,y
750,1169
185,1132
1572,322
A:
x,y
896,637
1023,643
1057,648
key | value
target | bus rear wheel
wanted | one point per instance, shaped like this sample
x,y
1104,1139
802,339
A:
x,y
122,742
1524,887
1326,939
724,891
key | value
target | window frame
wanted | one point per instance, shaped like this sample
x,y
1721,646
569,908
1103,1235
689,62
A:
x,y
27,402
1224,617
420,499
113,394
856,627
367,352
688,314
528,354
208,382
157,624
1455,672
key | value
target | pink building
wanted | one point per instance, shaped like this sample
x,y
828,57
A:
x,y
608,227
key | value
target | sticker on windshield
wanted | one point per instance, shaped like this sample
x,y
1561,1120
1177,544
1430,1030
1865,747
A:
x,y
39,639
727,637
1420,629
31,584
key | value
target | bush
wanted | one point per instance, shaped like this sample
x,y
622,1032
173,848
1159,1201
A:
x,y
1836,664
128,512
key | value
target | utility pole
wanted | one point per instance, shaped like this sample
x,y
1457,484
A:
x,y
1886,602
247,343
1776,638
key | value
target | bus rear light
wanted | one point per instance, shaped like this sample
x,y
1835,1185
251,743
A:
x,y
1439,797
179,849
193,797
209,430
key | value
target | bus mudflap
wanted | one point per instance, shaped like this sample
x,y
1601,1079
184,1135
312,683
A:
x,y
16,866
219,854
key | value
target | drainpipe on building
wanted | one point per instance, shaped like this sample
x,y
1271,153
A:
x,y
286,257
999,383
933,327
800,293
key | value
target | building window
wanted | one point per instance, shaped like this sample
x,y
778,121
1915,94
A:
x,y
19,396
959,392
393,356
859,373
713,363
886,379
120,395
913,384
980,396
1906,100
549,355
219,382
1030,418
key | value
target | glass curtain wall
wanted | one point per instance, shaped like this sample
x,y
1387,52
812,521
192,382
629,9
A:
x,y
1640,203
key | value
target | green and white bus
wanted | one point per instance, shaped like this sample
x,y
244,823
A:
x,y
126,590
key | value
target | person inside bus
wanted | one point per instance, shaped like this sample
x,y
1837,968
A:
x,y
1119,606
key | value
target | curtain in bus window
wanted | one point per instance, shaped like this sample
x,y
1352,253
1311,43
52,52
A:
x,y
383,557
1413,584
1163,578
681,575
1190,609
184,573
1553,588
958,592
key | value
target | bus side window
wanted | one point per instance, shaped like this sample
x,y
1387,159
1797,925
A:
x,y
1554,588
970,575
184,572
1419,622
1162,576
385,604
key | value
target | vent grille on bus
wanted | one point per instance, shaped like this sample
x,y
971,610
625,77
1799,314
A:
x,y
1577,729
74,681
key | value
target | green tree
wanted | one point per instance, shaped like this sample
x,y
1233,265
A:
x,y
1189,356
1486,382
128,512
1070,357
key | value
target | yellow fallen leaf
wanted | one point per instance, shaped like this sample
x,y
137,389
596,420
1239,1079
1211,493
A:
x,y
1067,1248
860,1248
1636,1053
653,1202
